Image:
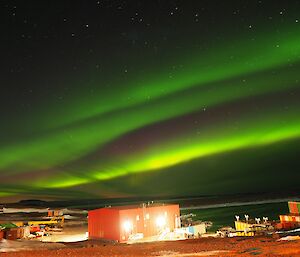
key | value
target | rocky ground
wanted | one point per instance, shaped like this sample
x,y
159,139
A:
x,y
261,246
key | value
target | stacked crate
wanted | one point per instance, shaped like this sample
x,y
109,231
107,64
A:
x,y
292,219
14,233
55,213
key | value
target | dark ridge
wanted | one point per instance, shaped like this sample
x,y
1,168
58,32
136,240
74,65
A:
x,y
186,201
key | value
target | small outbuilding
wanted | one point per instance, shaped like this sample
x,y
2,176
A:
x,y
119,223
292,219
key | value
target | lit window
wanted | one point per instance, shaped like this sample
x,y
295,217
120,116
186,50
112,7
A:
x,y
137,217
147,216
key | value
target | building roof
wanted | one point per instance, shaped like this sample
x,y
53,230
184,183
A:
x,y
127,207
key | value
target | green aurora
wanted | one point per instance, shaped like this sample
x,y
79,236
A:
x,y
68,152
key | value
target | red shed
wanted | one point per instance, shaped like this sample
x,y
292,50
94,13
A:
x,y
119,222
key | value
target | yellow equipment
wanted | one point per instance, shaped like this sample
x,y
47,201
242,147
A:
x,y
248,229
54,221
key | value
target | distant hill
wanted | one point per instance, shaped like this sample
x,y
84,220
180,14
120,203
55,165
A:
x,y
186,201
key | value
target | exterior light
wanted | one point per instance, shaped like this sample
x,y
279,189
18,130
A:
x,y
127,225
161,221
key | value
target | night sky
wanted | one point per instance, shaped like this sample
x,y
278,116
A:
x,y
105,99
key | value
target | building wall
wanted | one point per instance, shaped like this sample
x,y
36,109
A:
x,y
119,223
144,219
104,223
243,228
133,217
167,212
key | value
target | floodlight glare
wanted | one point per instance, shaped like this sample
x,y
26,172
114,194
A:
x,y
127,225
160,221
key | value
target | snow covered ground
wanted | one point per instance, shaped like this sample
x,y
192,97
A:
x,y
41,210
